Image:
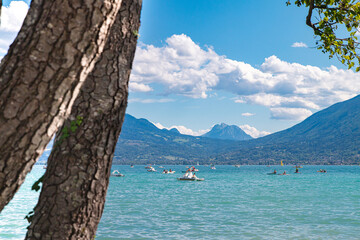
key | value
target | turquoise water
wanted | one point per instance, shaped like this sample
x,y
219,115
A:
x,y
232,203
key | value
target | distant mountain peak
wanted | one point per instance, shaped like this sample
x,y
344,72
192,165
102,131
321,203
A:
x,y
228,132
174,130
222,125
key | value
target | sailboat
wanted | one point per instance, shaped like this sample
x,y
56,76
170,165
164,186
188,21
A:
x,y
282,164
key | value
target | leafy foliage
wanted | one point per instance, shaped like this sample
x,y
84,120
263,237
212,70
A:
x,y
336,26
65,132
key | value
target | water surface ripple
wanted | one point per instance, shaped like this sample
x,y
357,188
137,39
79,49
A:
x,y
232,203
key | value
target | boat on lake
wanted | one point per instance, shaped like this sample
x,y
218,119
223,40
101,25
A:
x,y
151,169
116,173
148,166
190,176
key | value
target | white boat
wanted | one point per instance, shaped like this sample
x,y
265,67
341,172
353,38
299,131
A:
x,y
151,169
213,167
161,167
189,176
237,165
168,172
116,173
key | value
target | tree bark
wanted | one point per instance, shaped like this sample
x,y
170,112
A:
x,y
77,176
40,77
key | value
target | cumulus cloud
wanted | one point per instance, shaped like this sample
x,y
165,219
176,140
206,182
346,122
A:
x,y
182,67
290,113
252,131
11,21
188,131
183,130
247,114
139,87
13,16
159,125
299,45
178,66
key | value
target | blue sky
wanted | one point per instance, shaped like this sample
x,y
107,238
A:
x,y
199,63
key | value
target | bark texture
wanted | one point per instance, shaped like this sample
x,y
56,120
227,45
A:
x,y
77,176
41,75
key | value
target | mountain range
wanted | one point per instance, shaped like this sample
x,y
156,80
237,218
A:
x,y
141,142
330,136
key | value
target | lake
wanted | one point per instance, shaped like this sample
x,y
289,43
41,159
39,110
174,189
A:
x,y
232,203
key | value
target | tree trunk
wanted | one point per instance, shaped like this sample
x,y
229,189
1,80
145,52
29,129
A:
x,y
77,176
40,77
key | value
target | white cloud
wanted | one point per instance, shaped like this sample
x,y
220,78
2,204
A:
x,y
139,87
183,67
183,129
141,100
11,21
159,125
13,16
357,32
3,51
290,113
252,131
178,66
239,101
247,114
299,45
188,131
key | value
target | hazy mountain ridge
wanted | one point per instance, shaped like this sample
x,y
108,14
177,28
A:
x,y
330,136
142,142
